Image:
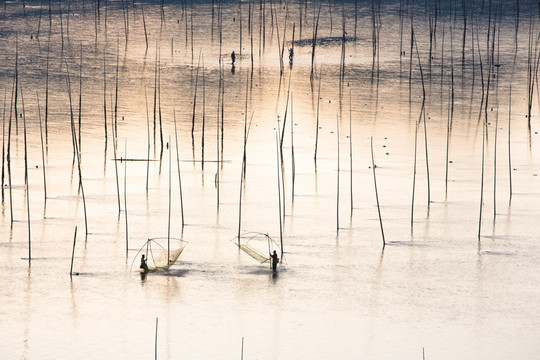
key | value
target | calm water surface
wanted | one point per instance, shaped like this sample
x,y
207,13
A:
x,y
435,287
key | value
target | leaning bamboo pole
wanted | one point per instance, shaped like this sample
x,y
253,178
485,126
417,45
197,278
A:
x,y
178,169
73,253
376,193
76,146
8,156
42,155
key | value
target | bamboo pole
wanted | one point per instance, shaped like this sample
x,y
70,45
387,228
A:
x,y
42,155
155,341
3,142
73,254
293,164
178,168
194,107
26,181
77,153
278,163
317,125
338,170
147,141
376,193
351,151
8,156
169,214
47,89
125,197
217,178
104,96
144,26
314,40
116,166
203,125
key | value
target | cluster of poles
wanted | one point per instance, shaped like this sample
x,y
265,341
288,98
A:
x,y
473,54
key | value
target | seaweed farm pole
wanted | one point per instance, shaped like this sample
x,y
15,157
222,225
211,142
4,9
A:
x,y
317,125
104,97
148,141
169,215
243,172
8,156
314,41
155,341
42,155
240,24
279,193
482,178
47,90
293,164
26,182
125,196
144,25
16,83
242,350
423,113
414,168
351,150
116,167
338,169
159,106
76,151
73,252
203,125
3,143
80,98
155,95
178,168
376,193
217,179
115,125
509,143
194,105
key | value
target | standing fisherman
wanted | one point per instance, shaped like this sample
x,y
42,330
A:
x,y
275,260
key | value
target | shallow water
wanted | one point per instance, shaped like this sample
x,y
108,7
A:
x,y
435,287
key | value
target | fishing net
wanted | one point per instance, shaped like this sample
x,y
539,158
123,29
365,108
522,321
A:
x,y
159,257
257,245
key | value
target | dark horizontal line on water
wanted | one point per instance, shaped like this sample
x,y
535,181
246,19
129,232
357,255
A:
x,y
198,161
121,159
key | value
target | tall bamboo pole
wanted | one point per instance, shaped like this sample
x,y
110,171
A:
x,y
376,193
26,181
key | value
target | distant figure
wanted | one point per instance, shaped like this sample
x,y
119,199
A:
x,y
291,55
275,260
233,57
143,266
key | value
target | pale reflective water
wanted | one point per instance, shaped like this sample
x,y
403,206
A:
x,y
435,287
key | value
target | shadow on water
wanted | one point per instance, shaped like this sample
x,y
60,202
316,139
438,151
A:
x,y
323,41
